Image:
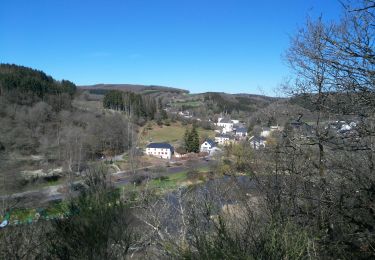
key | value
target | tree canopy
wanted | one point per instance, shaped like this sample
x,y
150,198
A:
x,y
26,86
131,103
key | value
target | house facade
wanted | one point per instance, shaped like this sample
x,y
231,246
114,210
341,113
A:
x,y
266,131
226,124
160,150
207,146
223,139
257,142
241,132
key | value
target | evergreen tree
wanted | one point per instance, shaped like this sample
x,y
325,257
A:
x,y
191,139
26,86
194,140
186,140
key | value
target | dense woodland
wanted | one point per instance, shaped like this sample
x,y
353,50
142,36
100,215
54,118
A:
x,y
302,197
26,86
140,106
219,102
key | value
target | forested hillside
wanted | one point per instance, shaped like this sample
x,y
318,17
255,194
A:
x,y
26,86
152,90
221,102
133,104
41,131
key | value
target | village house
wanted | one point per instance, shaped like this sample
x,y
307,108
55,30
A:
x,y
257,142
223,139
160,150
241,132
226,124
207,146
266,131
185,114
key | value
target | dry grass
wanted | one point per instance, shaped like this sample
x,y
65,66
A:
x,y
172,134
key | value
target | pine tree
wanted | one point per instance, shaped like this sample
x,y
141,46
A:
x,y
186,140
194,136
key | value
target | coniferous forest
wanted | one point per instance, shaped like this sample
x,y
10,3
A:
x,y
133,104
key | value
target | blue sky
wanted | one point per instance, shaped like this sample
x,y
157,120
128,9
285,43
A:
x,y
200,45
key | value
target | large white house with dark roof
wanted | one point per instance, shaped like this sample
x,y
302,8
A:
x,y
226,124
160,150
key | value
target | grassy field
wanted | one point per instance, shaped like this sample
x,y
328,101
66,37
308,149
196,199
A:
x,y
192,103
173,181
28,215
172,134
169,182
91,106
149,91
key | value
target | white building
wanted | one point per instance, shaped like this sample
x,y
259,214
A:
x,y
207,146
257,142
223,139
241,132
265,132
160,150
226,124
185,114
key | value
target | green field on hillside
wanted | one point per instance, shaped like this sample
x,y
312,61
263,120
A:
x,y
172,134
187,103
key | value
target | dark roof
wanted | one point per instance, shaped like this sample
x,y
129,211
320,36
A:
x,y
257,139
241,129
225,120
296,123
211,142
266,128
160,146
224,136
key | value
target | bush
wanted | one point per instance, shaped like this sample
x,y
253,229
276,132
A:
x,y
192,174
139,178
162,178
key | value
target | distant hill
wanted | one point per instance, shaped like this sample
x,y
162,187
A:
x,y
141,89
237,102
216,101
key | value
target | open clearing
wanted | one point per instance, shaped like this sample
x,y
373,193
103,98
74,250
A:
x,y
172,134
